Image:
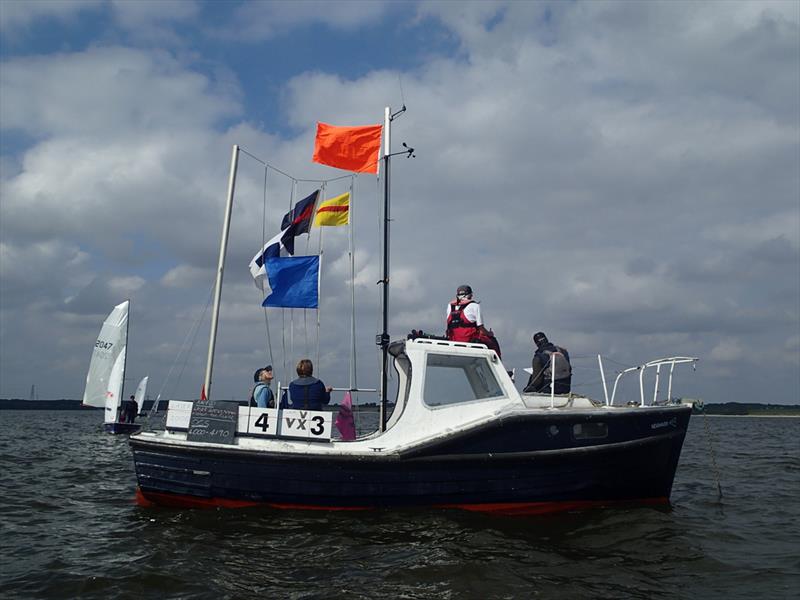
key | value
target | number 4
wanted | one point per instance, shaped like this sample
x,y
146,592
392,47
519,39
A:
x,y
263,422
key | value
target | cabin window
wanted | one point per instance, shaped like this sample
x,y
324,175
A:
x,y
589,431
454,379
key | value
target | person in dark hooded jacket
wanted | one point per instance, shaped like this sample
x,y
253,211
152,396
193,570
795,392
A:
x,y
549,357
307,392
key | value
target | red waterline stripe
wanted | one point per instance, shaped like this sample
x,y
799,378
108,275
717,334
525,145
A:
x,y
500,508
538,508
182,501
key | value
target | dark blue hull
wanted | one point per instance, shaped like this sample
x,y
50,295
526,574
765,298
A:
x,y
525,460
121,427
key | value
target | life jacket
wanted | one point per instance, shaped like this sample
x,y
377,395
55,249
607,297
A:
x,y
557,357
254,391
486,337
459,328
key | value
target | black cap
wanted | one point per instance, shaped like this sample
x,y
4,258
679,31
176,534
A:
x,y
464,289
539,338
258,372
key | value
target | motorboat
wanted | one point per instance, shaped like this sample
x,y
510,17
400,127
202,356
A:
x,y
458,434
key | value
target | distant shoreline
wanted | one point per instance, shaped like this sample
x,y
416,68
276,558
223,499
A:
x,y
724,409
776,416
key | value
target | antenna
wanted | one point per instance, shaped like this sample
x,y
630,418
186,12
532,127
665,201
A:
x,y
402,95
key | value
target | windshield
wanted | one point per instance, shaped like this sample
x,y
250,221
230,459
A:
x,y
454,379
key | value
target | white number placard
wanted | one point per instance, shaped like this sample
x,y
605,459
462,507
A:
x,y
178,414
308,424
262,422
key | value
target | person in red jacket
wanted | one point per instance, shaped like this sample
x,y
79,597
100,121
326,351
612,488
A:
x,y
463,316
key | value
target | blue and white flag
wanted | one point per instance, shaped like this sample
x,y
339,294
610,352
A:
x,y
294,281
295,222
272,248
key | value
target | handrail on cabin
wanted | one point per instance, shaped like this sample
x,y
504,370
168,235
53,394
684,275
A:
x,y
657,363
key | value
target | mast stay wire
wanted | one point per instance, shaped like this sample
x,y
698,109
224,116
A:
x,y
294,182
264,241
320,198
192,333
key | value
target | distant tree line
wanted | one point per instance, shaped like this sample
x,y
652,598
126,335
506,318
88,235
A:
x,y
18,404
724,408
750,408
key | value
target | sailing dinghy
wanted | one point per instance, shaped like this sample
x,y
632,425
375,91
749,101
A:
x,y
141,393
106,377
460,436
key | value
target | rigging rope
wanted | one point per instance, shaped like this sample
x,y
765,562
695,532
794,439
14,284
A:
x,y
293,195
192,333
264,241
711,452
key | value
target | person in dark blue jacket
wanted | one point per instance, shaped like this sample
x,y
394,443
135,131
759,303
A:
x,y
307,392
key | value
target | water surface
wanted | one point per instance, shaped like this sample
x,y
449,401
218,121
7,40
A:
x,y
70,528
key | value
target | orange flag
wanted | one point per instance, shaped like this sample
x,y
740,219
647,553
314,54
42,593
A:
x,y
349,148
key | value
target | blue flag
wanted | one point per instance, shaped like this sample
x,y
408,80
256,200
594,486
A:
x,y
294,281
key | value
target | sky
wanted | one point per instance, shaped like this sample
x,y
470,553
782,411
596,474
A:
x,y
624,176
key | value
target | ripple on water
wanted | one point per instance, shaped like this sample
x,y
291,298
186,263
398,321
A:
x,y
71,529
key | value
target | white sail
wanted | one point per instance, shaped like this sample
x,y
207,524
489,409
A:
x,y
109,346
141,390
114,392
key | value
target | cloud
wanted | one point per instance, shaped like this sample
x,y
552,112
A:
x,y
20,14
254,21
727,350
138,15
102,292
131,91
31,271
621,176
764,228
145,21
185,276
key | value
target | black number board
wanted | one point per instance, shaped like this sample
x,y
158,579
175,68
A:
x,y
213,422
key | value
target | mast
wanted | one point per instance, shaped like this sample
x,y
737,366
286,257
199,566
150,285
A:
x,y
383,338
223,246
125,362
353,382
